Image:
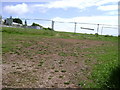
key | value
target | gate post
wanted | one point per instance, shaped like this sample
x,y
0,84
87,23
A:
x,y
97,28
75,28
53,25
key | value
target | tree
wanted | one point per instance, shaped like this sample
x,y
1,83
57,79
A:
x,y
35,24
4,22
25,23
50,29
17,20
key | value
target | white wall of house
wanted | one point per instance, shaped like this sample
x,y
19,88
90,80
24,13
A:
x,y
1,21
34,27
16,24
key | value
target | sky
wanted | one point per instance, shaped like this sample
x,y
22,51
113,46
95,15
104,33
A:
x,y
83,11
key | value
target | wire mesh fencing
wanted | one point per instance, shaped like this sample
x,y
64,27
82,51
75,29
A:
x,y
75,27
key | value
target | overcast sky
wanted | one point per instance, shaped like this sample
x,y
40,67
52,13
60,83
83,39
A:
x,y
86,11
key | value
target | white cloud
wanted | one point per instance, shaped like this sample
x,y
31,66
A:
x,y
18,9
102,2
64,4
112,13
26,0
38,7
108,7
81,4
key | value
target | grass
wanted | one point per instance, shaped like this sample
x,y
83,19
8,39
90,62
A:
x,y
47,33
60,76
66,83
49,78
29,34
63,71
102,71
56,71
102,59
41,63
62,54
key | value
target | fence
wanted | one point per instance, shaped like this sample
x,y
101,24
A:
x,y
76,27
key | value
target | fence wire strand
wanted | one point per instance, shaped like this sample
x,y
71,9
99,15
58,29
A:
x,y
76,26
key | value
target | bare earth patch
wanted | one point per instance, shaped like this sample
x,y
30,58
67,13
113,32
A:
x,y
49,63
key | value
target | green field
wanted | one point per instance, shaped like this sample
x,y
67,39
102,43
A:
x,y
44,58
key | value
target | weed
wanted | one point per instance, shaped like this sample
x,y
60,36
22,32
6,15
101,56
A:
x,y
13,66
31,57
34,71
52,67
81,84
3,62
67,83
62,54
76,62
60,66
60,62
63,70
60,76
87,61
49,78
41,52
17,72
56,71
74,54
14,63
39,64
19,68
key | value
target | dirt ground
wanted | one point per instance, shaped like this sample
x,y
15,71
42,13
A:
x,y
48,63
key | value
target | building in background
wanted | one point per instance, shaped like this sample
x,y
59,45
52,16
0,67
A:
x,y
34,27
1,20
9,21
16,24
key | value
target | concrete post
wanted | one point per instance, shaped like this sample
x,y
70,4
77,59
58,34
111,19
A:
x,y
97,28
53,25
75,28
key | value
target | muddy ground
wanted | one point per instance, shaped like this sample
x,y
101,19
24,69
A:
x,y
49,63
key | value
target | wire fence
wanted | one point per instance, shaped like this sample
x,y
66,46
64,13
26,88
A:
x,y
75,27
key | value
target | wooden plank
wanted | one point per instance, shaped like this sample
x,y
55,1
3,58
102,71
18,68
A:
x,y
87,28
